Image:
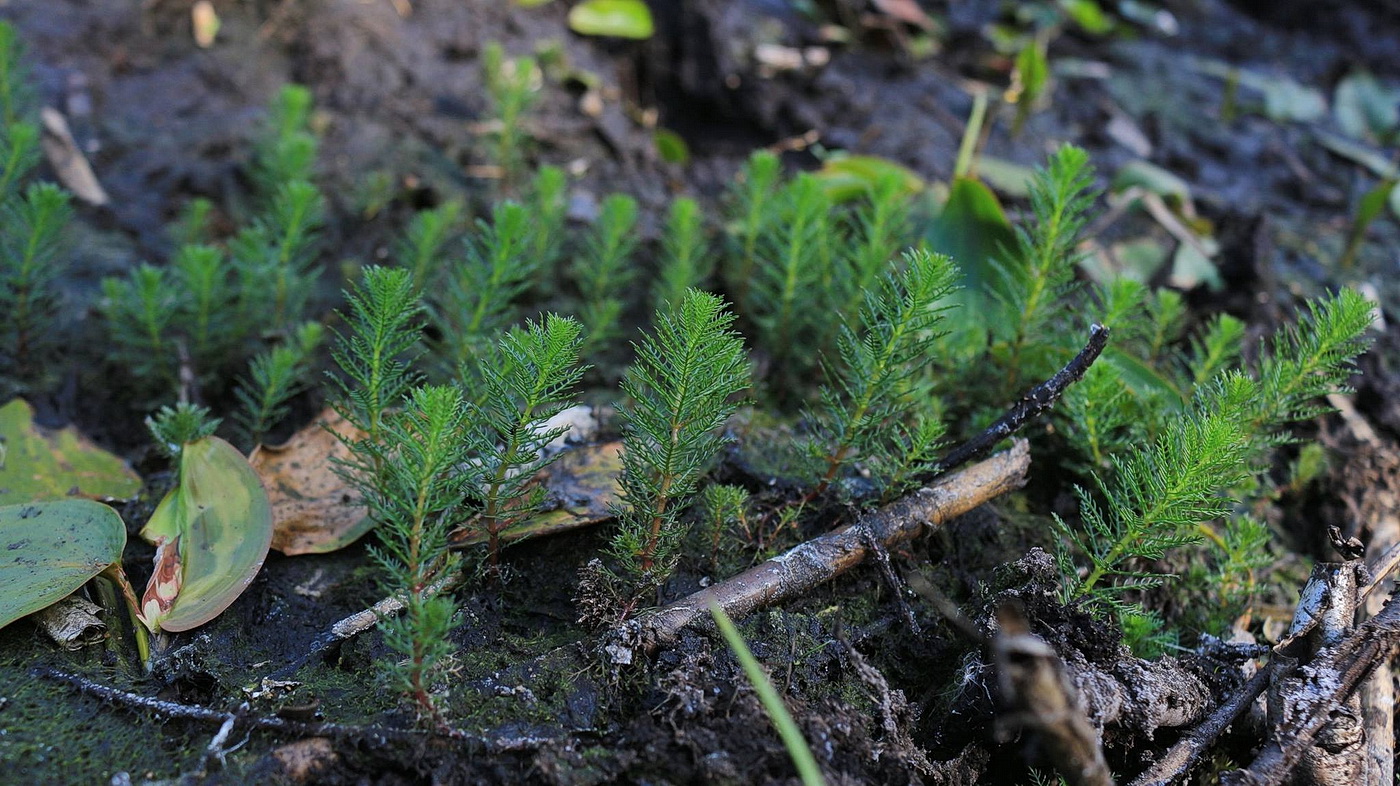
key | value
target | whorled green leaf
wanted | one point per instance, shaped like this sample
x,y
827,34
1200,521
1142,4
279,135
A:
x,y
51,549
616,18
211,533
38,463
846,177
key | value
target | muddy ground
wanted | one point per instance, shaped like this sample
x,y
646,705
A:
x,y
398,94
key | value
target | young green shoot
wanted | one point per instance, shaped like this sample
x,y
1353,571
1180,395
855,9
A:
x,y
685,262
680,391
275,376
416,499
868,399
603,271
791,735
530,380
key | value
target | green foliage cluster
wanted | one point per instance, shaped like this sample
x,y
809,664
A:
x,y
682,390
218,306
453,364
32,223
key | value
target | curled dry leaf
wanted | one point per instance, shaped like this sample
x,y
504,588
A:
x,y
68,161
38,463
313,509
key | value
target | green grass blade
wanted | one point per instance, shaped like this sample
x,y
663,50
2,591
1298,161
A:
x,y
802,758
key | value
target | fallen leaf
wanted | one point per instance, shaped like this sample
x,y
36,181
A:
x,y
38,463
313,509
67,160
585,483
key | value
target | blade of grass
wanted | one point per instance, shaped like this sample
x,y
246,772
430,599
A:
x,y
802,758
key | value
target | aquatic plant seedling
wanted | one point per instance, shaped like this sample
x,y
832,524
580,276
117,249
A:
x,y
211,533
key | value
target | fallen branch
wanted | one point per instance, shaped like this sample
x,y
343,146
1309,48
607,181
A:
x,y
1324,687
1038,696
821,559
1037,400
1177,762
379,735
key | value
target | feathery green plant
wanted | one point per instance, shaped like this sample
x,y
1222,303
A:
x,y
140,310
1158,497
602,272
725,510
530,380
867,402
422,247
476,301
19,133
1033,286
206,296
680,390
685,262
31,231
751,207
416,498
275,376
174,427
286,150
375,352
791,298
513,84
881,229
548,201
274,260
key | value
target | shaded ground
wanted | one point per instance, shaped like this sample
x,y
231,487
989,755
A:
x,y
398,95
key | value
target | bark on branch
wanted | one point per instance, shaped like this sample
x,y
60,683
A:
x,y
821,559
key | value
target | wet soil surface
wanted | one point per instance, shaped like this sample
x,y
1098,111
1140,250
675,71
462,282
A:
x,y
879,701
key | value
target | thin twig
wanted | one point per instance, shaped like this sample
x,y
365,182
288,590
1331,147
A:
x,y
378,735
1037,400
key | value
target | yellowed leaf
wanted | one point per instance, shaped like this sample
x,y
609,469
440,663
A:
x,y
313,509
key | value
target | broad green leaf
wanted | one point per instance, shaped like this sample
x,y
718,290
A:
x,y
1190,268
974,231
1153,179
846,177
211,534
617,18
1143,380
1006,177
671,146
38,463
1366,109
1286,100
51,549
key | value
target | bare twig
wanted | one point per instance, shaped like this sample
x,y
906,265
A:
x,y
1040,697
1178,761
1326,685
378,735
1037,400
821,559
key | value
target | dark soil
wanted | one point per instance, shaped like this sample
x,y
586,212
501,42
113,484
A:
x,y
398,95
